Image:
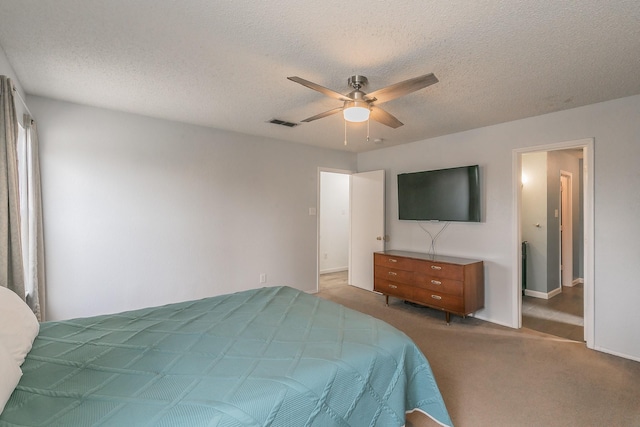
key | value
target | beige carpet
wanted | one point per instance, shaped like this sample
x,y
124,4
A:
x,y
496,376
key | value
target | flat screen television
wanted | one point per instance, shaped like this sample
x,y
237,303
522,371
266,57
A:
x,y
440,195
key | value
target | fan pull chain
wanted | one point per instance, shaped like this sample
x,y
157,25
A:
x,y
345,132
368,121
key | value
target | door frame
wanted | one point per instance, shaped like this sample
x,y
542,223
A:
x,y
587,146
318,210
566,229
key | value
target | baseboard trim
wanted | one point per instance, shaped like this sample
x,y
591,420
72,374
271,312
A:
x,y
575,282
542,295
334,270
616,353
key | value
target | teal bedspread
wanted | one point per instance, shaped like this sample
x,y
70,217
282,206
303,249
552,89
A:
x,y
265,357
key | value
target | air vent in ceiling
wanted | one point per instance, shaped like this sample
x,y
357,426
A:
x,y
283,123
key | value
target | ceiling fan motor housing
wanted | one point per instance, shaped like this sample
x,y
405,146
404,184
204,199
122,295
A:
x,y
357,81
357,96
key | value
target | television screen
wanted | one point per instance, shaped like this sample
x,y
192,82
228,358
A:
x,y
440,195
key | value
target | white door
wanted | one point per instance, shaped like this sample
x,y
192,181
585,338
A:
x,y
367,226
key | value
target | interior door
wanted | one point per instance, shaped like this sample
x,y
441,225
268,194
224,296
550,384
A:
x,y
366,226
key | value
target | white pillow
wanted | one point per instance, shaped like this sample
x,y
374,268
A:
x,y
18,325
10,374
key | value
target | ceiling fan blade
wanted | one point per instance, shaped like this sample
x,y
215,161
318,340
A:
x,y
381,116
321,115
400,89
328,92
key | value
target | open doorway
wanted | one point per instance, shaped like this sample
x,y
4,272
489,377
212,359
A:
x,y
333,229
552,300
350,226
547,216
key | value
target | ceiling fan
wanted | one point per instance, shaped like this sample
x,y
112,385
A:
x,y
359,106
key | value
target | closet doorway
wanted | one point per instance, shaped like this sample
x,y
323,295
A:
x,y
333,229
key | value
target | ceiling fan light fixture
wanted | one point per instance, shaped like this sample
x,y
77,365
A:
x,y
357,105
356,111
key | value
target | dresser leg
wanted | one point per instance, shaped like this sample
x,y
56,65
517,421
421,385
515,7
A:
x,y
447,316
386,302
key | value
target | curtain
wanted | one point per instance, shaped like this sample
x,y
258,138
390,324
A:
x,y
11,270
33,250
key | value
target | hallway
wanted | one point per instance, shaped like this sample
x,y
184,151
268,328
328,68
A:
x,y
561,315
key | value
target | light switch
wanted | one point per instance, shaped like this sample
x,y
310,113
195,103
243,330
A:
x,y
312,211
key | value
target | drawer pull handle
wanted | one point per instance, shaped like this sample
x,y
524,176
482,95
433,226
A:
x,y
393,260
436,267
393,286
393,273
436,297
436,282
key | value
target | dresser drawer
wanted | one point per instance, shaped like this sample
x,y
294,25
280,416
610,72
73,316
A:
x,y
439,269
388,287
421,296
446,302
394,262
439,284
393,274
395,289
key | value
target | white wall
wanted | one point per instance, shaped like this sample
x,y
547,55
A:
x,y
615,126
141,212
334,222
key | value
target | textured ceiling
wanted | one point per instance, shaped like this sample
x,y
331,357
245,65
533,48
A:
x,y
225,63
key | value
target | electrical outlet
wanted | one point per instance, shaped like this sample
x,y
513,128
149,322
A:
x,y
263,278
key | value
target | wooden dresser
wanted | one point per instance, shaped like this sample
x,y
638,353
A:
x,y
453,285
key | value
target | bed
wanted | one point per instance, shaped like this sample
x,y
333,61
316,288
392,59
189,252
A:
x,y
265,357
